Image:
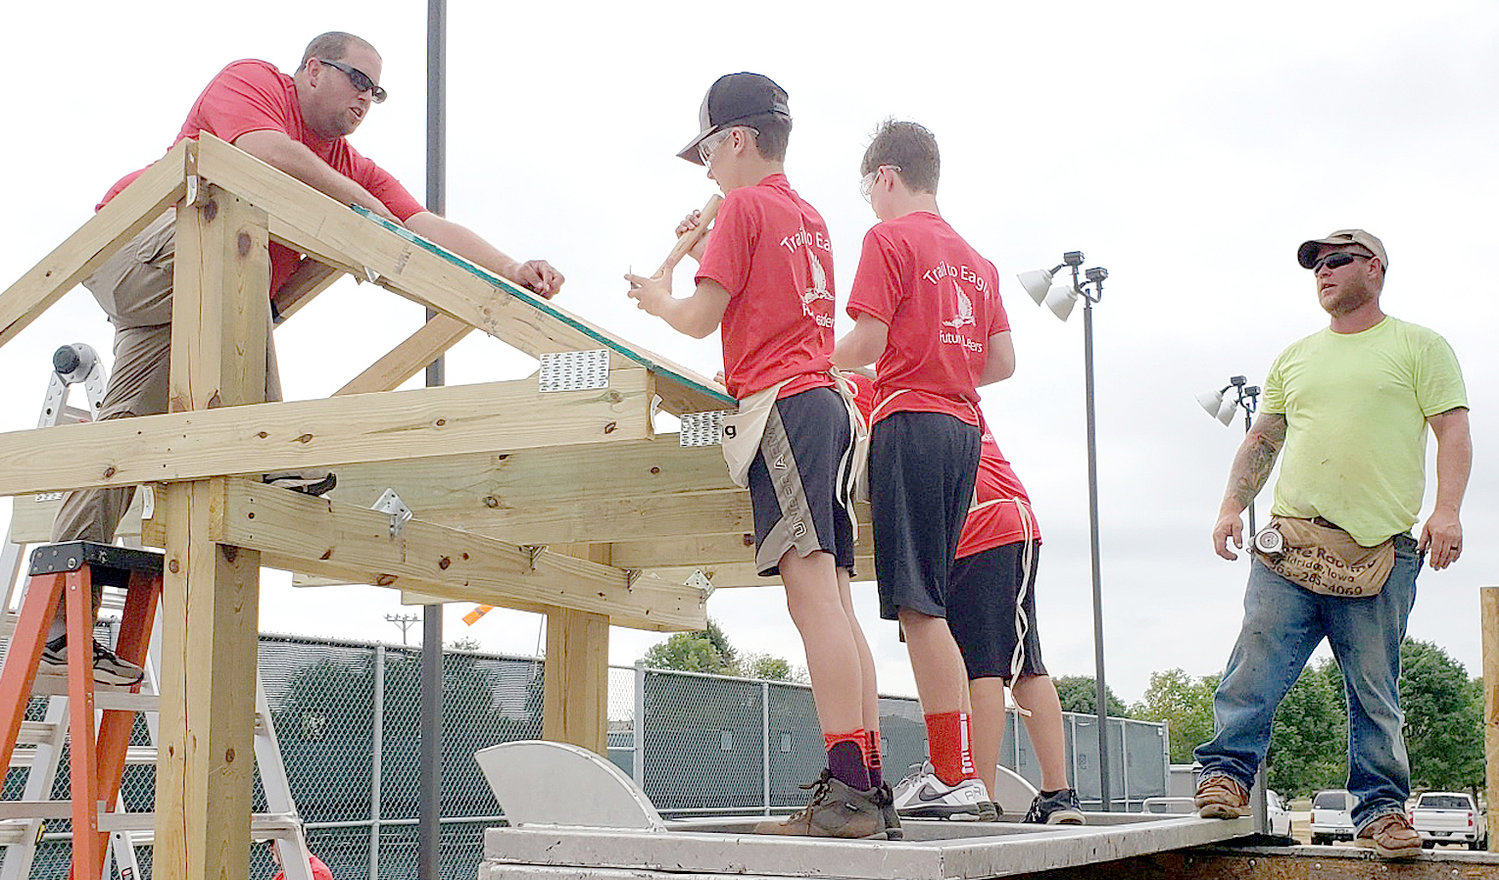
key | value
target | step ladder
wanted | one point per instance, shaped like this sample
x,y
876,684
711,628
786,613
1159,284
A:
x,y
23,823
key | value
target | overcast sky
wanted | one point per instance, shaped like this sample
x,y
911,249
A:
x,y
1186,147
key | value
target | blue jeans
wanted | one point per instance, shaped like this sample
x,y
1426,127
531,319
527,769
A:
x,y
1283,623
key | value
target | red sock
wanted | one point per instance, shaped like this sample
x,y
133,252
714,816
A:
x,y
948,743
846,758
872,758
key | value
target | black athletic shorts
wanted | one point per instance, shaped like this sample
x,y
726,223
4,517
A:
x,y
921,471
991,608
793,481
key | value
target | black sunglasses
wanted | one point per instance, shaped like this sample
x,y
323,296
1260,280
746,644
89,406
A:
x,y
1338,260
359,78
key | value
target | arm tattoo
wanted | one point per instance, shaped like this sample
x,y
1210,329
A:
x,y
1256,458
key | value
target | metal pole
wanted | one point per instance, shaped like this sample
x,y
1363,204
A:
x,y
1258,807
1100,688
377,774
639,762
765,745
430,772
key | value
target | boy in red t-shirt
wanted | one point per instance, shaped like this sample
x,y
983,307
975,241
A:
x,y
766,276
926,307
992,612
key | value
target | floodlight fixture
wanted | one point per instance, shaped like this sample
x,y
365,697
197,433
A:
x,y
1060,296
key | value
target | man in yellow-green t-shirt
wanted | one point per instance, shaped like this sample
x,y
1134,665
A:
x,y
1346,410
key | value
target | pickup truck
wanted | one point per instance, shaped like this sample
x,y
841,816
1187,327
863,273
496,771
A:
x,y
1448,817
1330,817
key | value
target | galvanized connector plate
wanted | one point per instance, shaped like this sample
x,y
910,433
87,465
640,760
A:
x,y
702,428
575,370
392,506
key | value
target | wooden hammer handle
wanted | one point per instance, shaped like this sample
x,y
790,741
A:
x,y
691,237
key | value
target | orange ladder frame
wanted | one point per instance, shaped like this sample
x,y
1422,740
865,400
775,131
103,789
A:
x,y
65,572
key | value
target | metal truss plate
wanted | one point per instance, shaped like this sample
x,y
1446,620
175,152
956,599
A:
x,y
702,428
575,370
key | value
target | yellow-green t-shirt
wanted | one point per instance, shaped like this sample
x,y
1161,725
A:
x,y
1356,406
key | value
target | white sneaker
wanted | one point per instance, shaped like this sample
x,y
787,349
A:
x,y
109,668
923,795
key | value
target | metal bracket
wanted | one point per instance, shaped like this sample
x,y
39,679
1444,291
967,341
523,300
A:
x,y
574,370
392,506
533,553
701,582
702,428
631,576
191,196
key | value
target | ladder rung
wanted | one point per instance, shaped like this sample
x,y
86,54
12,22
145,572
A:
x,y
134,755
54,684
34,733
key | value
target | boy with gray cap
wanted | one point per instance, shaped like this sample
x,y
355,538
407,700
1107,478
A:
x,y
766,277
1350,405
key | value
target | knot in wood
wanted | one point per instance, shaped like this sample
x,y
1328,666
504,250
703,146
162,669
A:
x,y
444,562
609,428
210,210
491,502
243,243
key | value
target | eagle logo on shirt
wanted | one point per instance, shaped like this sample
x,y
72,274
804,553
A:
x,y
965,309
818,290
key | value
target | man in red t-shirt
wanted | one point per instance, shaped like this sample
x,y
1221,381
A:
x,y
766,277
991,609
297,124
926,307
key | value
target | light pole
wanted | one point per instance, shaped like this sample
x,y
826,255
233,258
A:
x,y
1222,405
1060,297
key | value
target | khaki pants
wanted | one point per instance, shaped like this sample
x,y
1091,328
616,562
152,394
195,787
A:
x,y
134,287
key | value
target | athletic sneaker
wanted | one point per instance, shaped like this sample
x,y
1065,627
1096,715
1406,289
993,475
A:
x,y
313,481
1221,797
922,794
836,810
891,819
1057,808
108,667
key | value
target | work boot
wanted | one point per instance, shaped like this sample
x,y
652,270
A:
x,y
1391,836
836,810
891,819
1221,797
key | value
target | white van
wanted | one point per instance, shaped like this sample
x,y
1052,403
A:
x,y
1330,816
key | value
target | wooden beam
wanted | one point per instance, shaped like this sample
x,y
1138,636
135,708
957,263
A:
x,y
157,189
211,594
499,416
724,575
410,357
1489,624
311,278
313,223
575,691
354,544
699,550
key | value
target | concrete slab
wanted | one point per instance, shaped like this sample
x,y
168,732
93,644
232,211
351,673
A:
x,y
711,848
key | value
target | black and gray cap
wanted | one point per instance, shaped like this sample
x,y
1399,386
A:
x,y
734,99
1306,254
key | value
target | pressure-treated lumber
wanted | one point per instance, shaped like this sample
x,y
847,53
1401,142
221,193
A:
x,y
700,550
499,416
354,544
575,691
418,350
211,594
744,574
310,221
96,240
311,278
1489,621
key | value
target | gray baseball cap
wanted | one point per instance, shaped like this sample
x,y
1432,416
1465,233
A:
x,y
1306,255
735,99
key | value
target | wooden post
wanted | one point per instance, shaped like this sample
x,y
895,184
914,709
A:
x,y
220,316
575,694
1489,602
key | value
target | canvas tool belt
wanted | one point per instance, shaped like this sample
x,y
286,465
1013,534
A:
x,y
1323,558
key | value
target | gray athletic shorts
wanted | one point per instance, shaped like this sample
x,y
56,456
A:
x,y
794,481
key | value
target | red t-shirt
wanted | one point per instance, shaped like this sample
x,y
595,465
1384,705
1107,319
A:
x,y
940,300
319,870
253,95
995,520
771,251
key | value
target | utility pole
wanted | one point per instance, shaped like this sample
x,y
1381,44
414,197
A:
x,y
404,621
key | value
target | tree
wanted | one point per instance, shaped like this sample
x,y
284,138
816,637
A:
x,y
1077,695
703,651
465,643
771,668
1185,703
1309,736
1443,723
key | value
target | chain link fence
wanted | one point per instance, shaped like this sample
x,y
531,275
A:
x,y
346,717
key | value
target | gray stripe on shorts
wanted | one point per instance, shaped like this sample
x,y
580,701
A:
x,y
796,527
